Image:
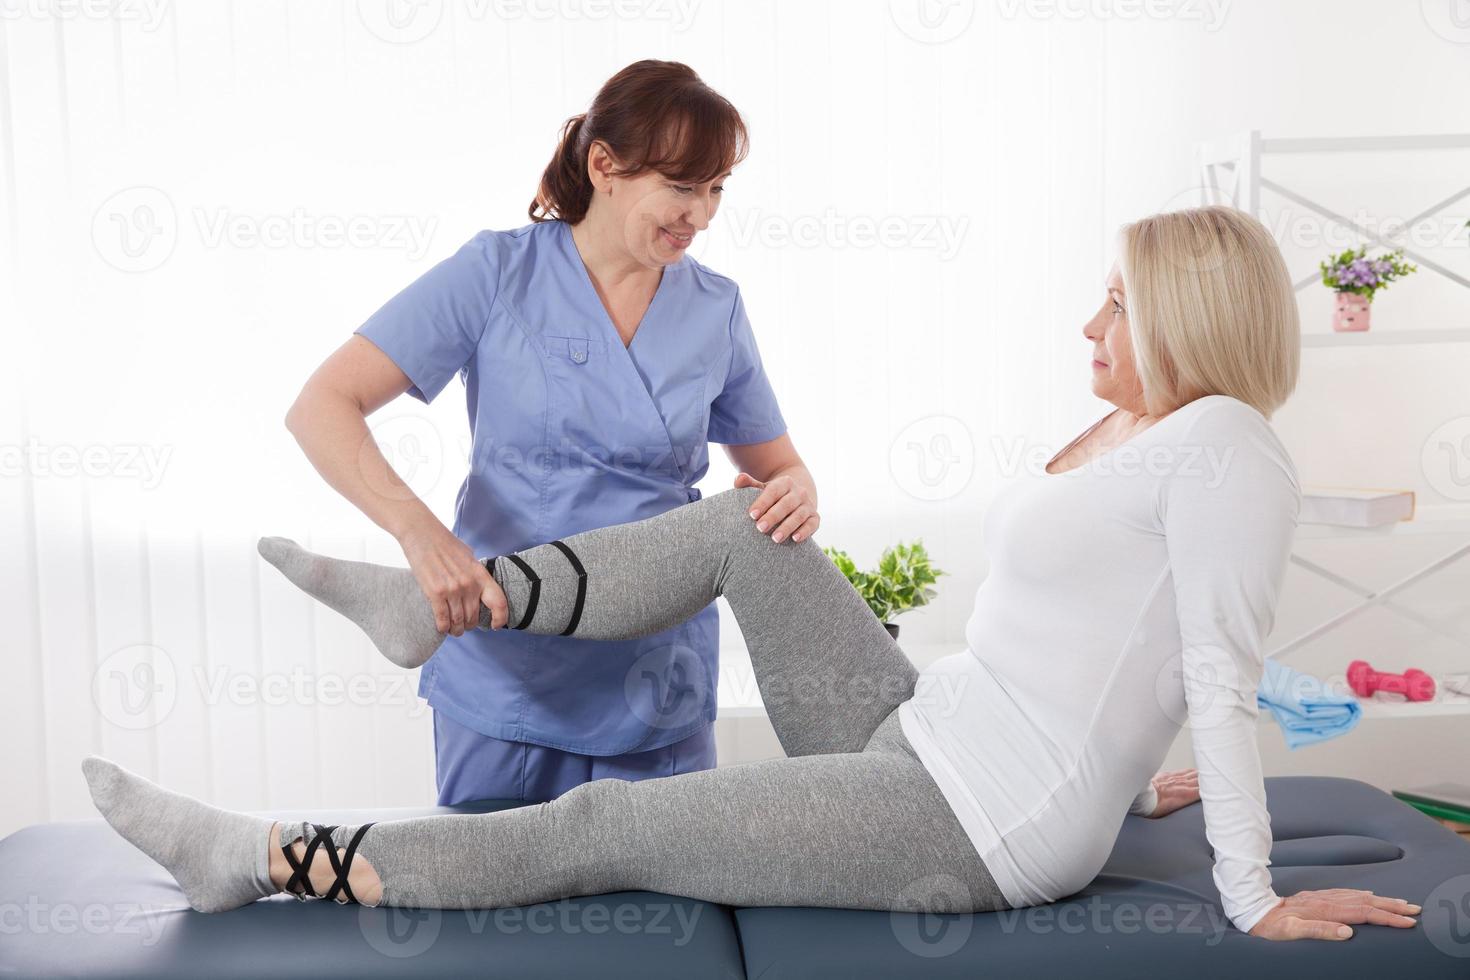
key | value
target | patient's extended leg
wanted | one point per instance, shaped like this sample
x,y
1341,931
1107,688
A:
x,y
827,670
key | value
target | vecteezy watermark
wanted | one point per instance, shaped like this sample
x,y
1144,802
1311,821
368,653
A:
x,y
1097,915
1208,463
932,458
669,687
137,687
940,234
404,932
136,229
400,21
1450,19
678,14
1200,687
126,461
1210,13
139,228
1306,229
411,234
410,21
34,917
1445,458
932,916
147,14
1445,918
414,450
932,21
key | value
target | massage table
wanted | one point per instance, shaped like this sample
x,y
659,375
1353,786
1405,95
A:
x,y
77,900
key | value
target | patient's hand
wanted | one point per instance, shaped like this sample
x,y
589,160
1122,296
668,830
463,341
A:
x,y
1176,791
1322,914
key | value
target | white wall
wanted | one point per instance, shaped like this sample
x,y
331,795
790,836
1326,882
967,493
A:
x,y
1000,160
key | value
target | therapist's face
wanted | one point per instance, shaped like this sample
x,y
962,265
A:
x,y
658,217
661,216
1114,374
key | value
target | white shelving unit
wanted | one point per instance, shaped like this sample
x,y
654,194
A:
x,y
1232,172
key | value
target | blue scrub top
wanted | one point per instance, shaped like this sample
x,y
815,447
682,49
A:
x,y
572,431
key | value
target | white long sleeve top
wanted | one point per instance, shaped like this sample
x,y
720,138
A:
x,y
1126,597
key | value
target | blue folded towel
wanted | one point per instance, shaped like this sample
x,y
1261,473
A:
x,y
1306,712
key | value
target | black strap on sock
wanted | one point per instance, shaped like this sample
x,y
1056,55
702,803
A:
x,y
344,867
581,586
535,581
300,870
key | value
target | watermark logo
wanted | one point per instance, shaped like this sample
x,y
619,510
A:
x,y
400,21
124,461
941,234
1199,687
148,15
933,934
414,450
406,929
932,21
1445,458
1446,917
1210,13
668,687
1450,19
136,229
136,687
933,458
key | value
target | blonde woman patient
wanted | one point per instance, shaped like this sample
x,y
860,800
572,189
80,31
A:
x,y
1132,584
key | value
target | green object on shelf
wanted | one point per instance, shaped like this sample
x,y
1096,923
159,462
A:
x,y
1433,807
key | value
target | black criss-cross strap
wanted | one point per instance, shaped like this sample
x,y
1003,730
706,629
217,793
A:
x,y
535,581
340,866
581,586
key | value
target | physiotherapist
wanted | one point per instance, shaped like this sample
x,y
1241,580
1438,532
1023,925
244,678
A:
x,y
599,361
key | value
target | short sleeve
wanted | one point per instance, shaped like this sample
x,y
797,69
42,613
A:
x,y
745,410
431,328
1230,509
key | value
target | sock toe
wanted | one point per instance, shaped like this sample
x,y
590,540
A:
x,y
103,777
276,550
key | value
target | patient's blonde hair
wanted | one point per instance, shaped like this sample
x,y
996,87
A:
x,y
1211,308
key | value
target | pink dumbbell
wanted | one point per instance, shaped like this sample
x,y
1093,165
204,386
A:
x,y
1413,684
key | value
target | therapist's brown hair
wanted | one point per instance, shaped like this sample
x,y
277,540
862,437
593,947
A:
x,y
652,115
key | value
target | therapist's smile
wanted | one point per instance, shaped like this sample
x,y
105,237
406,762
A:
x,y
676,240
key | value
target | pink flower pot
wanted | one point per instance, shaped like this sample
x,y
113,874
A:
x,y
1353,312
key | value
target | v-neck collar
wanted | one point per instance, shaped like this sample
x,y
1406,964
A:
x,y
569,244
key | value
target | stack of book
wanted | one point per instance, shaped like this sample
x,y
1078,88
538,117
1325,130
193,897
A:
x,y
1348,507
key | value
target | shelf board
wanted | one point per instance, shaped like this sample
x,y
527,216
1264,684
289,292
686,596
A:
x,y
1416,526
1373,338
1446,704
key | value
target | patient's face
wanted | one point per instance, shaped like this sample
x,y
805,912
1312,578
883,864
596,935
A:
x,y
1114,377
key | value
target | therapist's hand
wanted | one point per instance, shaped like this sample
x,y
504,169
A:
x,y
784,509
453,581
1323,914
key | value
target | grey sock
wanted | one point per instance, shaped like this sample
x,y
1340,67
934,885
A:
x,y
220,859
386,602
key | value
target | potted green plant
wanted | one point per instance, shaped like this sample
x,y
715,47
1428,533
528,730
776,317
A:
x,y
1355,278
902,581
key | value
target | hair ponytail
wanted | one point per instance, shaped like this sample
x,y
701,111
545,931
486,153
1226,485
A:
x,y
652,115
566,189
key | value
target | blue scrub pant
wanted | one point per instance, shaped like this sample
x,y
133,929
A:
x,y
472,766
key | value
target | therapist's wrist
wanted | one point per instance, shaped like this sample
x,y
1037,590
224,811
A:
x,y
413,522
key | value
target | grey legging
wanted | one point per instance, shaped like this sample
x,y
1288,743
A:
x,y
850,819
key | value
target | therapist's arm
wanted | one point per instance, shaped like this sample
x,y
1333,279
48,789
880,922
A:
x,y
329,421
787,505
